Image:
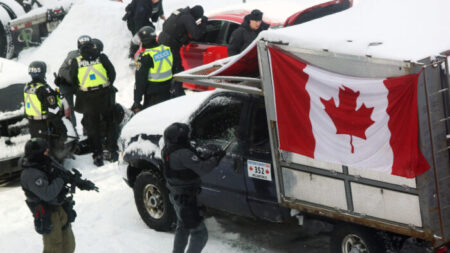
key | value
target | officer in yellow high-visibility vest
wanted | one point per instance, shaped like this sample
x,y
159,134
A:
x,y
43,106
93,74
153,71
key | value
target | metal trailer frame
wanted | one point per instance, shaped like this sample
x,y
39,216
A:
x,y
430,191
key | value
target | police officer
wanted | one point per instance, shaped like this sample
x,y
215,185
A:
x,y
44,107
178,30
93,75
153,71
183,169
243,36
45,196
140,12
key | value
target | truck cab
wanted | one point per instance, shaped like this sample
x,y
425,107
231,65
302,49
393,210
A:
x,y
243,180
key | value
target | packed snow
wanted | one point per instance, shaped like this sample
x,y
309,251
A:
x,y
108,221
399,30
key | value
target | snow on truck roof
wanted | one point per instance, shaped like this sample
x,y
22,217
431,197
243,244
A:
x,y
398,30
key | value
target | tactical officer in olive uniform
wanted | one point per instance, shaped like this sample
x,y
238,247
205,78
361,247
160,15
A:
x,y
44,107
94,75
153,71
183,169
45,197
179,29
46,186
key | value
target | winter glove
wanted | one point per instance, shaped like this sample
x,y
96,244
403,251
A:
x,y
136,107
204,20
86,185
59,80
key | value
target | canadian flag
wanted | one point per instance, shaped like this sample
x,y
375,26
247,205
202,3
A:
x,y
363,123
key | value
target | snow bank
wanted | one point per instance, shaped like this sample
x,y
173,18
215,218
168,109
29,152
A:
x,y
12,72
399,30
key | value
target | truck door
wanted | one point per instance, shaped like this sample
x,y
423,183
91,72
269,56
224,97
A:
x,y
218,123
259,173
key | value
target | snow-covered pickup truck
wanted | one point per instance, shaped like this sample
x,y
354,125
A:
x,y
20,30
358,127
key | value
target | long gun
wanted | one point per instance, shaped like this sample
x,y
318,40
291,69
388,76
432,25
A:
x,y
73,177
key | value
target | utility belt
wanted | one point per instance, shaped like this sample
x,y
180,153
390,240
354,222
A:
x,y
41,117
99,87
42,213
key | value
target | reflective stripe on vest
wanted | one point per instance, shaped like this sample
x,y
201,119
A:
x,y
91,74
162,63
33,106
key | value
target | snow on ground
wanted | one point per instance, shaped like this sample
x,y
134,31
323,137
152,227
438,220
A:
x,y
107,221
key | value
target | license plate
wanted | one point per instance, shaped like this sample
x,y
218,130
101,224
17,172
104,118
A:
x,y
259,170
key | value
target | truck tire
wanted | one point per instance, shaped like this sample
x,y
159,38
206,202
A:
x,y
348,238
3,41
152,201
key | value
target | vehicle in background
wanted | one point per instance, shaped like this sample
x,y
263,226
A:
x,y
20,30
213,45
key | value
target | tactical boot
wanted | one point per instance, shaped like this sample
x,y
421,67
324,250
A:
x,y
98,160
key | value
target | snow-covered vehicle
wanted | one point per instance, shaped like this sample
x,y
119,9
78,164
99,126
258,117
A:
x,y
213,45
269,173
20,30
13,125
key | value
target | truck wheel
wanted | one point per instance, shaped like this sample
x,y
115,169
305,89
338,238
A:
x,y
152,201
347,238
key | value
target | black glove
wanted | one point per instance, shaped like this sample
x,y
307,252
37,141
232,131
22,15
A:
x,y
86,185
136,107
204,20
59,80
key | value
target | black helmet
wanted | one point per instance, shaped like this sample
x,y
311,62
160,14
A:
x,y
98,45
177,133
35,148
37,70
197,11
147,35
84,40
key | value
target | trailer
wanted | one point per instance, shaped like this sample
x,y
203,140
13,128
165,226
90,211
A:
x,y
366,206
20,30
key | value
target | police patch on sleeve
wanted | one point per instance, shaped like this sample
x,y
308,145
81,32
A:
x,y
51,100
39,182
194,158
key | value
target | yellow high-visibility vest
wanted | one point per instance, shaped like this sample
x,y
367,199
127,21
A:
x,y
33,106
162,63
91,74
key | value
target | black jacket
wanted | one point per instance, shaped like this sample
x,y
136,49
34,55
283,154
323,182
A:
x,y
139,13
40,183
243,36
180,28
98,100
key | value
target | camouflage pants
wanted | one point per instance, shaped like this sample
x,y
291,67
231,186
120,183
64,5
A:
x,y
59,240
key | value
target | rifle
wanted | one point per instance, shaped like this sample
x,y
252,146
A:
x,y
73,177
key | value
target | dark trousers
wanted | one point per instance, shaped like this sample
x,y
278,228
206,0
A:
x,y
68,93
177,87
157,94
99,125
190,226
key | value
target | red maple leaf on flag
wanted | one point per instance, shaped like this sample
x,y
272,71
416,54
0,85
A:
x,y
346,119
